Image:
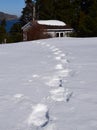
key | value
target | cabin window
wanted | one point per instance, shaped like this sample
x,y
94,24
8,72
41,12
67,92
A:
x,y
61,34
57,34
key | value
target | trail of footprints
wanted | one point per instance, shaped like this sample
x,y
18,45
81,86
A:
x,y
40,117
59,92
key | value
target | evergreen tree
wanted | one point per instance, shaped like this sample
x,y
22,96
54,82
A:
x,y
3,31
27,13
54,9
45,9
85,5
15,33
3,23
63,10
88,19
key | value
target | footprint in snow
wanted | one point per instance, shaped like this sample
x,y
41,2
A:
x,y
55,49
53,81
39,116
63,55
21,98
63,73
18,97
35,76
57,94
57,52
61,94
57,58
59,67
62,60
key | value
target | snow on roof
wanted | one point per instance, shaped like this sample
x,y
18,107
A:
x,y
51,22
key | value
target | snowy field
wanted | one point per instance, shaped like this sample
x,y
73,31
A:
x,y
49,85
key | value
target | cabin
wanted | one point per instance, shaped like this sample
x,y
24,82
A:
x,y
54,28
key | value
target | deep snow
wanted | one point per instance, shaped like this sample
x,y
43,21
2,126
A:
x,y
49,85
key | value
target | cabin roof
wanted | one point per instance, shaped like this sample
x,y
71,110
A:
x,y
48,24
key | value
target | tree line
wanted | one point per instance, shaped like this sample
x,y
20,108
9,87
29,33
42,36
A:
x,y
14,35
79,14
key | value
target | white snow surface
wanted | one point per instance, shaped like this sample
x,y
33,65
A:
x,y
58,94
51,22
49,85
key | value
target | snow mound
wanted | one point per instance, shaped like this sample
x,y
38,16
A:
x,y
51,22
39,115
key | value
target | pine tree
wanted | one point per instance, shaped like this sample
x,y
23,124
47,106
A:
x,y
63,10
3,23
54,9
88,19
27,13
45,9
15,33
3,31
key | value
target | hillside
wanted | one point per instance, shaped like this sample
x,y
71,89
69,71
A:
x,y
49,85
7,16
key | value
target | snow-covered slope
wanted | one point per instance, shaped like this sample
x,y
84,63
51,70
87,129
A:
x,y
49,85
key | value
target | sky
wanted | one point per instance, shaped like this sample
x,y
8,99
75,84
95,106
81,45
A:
x,y
12,6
